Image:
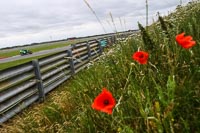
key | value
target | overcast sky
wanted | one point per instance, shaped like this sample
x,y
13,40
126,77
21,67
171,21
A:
x,y
29,21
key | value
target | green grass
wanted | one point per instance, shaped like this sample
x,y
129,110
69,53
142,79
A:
x,y
161,96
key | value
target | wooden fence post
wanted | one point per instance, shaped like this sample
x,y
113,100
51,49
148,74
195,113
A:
x,y
39,80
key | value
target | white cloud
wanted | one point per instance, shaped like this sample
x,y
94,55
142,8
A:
x,y
29,21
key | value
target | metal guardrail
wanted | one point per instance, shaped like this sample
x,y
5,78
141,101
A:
x,y
22,85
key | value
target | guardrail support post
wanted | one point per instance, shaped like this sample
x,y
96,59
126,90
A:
x,y
113,39
100,47
39,80
108,41
71,61
89,50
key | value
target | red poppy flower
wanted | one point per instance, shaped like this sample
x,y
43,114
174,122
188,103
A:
x,y
104,102
141,57
185,41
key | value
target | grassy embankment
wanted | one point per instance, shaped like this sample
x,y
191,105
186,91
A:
x,y
161,96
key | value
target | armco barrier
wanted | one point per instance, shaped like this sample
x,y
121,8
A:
x,y
22,85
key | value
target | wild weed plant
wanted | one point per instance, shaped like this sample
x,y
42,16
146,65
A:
x,y
162,95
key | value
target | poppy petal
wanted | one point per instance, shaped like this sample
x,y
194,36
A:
x,y
185,41
104,102
140,57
